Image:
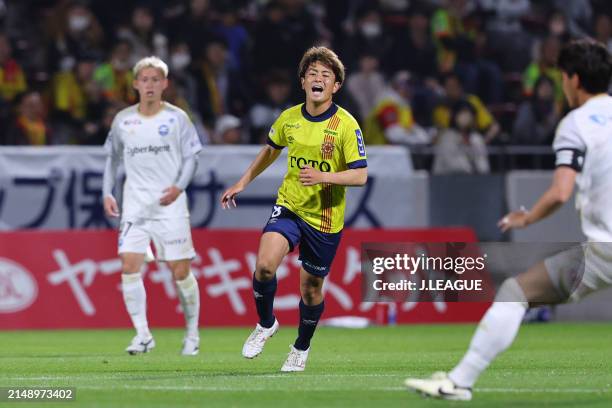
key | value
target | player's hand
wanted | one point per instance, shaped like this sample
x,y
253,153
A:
x,y
515,219
111,209
170,194
228,198
310,176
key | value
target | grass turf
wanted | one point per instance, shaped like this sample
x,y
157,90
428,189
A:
x,y
563,365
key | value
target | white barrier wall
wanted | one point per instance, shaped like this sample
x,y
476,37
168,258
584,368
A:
x,y
59,187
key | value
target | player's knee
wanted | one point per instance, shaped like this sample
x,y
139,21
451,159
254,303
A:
x,y
264,271
311,291
130,267
511,291
180,270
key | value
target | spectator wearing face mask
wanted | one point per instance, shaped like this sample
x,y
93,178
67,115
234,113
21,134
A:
x,y
368,34
76,33
181,70
276,98
461,149
538,116
115,76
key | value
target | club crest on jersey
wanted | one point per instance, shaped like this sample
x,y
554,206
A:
x,y
163,130
327,149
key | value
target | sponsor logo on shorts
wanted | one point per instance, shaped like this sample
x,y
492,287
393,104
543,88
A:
x,y
177,241
315,267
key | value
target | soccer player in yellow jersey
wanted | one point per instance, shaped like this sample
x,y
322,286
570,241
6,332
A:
x,y
326,153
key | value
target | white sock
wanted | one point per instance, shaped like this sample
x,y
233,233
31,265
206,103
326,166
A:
x,y
494,334
135,299
189,295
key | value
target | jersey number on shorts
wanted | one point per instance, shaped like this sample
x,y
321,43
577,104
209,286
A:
x,y
277,211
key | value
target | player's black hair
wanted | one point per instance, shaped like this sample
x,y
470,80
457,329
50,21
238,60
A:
x,y
590,60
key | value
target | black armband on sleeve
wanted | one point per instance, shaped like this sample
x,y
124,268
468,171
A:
x,y
573,158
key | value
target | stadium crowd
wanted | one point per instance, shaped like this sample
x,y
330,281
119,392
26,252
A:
x,y
456,75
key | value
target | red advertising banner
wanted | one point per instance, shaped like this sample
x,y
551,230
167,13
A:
x,y
71,279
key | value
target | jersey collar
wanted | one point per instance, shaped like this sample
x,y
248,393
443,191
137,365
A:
x,y
331,111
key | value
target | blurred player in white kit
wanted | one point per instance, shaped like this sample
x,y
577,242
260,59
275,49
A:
x,y
158,147
583,147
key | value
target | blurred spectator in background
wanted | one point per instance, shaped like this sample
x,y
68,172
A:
x,y
12,82
228,130
484,122
578,14
115,76
75,32
220,89
180,64
603,30
174,96
368,35
366,84
12,77
234,33
277,98
462,49
95,133
545,64
76,99
510,42
29,126
194,26
413,49
391,120
461,148
557,26
538,116
143,35
282,34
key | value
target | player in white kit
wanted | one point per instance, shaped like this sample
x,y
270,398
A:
x,y
583,147
158,147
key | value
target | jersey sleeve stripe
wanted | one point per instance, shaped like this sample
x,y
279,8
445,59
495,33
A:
x,y
274,145
357,164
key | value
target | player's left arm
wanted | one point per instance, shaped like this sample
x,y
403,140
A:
x,y
352,148
570,150
557,194
190,147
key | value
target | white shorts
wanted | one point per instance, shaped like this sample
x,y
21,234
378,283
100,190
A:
x,y
581,270
171,237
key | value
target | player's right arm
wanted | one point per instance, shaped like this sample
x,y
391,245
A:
x,y
114,148
268,154
265,158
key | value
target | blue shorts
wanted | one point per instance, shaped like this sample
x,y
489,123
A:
x,y
317,249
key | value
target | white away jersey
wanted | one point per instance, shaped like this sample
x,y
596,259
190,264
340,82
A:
x,y
153,149
583,141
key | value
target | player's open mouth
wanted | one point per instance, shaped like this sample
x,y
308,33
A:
x,y
149,93
317,90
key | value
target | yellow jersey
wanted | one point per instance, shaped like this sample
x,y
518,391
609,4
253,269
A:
x,y
329,142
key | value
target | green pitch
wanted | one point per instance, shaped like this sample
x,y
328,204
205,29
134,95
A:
x,y
565,365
